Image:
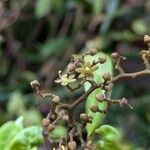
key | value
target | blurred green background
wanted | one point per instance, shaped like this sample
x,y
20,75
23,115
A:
x,y
37,38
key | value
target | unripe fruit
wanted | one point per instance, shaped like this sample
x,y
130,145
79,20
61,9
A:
x,y
102,60
93,51
45,122
107,76
94,108
50,127
72,145
147,39
56,99
115,55
99,97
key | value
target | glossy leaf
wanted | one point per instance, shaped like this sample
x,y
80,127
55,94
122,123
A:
x,y
103,68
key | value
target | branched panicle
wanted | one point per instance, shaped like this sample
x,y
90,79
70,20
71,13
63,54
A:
x,y
78,72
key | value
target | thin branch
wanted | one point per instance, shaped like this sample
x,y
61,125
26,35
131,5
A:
x,y
46,139
82,98
131,75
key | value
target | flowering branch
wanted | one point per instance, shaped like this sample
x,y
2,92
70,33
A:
x,y
80,71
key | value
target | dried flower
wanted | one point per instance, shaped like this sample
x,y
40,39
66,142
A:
x,y
65,79
86,70
123,102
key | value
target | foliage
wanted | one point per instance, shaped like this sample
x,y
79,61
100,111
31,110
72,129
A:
x,y
13,136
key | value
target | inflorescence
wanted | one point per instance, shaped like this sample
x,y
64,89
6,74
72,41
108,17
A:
x,y
78,72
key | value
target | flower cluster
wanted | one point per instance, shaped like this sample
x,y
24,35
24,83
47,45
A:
x,y
78,72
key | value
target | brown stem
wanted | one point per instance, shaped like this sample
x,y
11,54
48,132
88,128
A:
x,y
82,98
130,75
117,67
46,139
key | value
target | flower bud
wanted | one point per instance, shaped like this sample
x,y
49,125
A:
x,y
93,51
108,87
72,145
147,39
94,108
84,117
71,67
99,97
115,55
45,122
56,99
35,83
50,127
107,76
102,60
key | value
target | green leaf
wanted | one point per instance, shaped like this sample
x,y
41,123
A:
x,y
108,133
42,7
28,139
109,136
105,145
8,131
103,68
